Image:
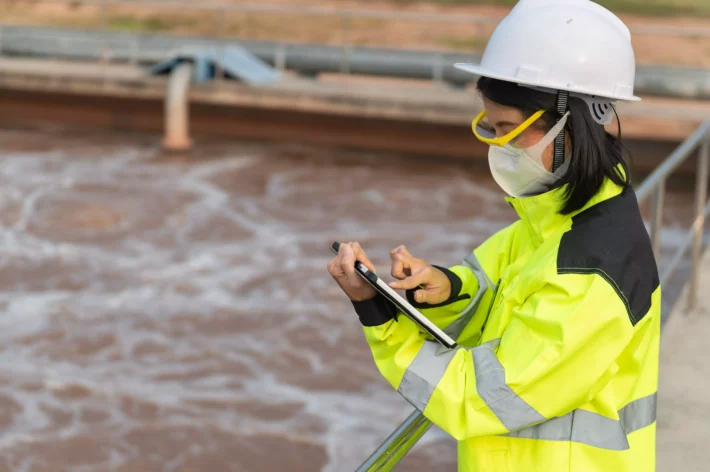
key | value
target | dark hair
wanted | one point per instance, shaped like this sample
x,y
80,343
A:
x,y
596,154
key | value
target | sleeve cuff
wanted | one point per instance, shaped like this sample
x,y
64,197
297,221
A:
x,y
455,296
375,311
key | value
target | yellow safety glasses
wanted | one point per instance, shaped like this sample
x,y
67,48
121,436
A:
x,y
486,133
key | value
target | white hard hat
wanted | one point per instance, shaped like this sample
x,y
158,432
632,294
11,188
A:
x,y
572,45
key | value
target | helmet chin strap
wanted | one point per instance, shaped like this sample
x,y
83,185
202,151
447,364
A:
x,y
562,98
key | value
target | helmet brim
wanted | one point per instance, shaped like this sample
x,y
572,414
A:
x,y
482,71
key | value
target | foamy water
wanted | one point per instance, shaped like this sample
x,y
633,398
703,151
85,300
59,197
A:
x,y
175,314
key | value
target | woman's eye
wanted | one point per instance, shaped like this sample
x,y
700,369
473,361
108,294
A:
x,y
505,131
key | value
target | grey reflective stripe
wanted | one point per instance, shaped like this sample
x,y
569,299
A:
x,y
472,261
556,429
510,409
425,373
580,426
639,413
592,429
598,431
455,328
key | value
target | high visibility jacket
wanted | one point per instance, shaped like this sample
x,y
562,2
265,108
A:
x,y
558,325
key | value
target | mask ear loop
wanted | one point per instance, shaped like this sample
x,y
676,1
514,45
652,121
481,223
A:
x,y
562,98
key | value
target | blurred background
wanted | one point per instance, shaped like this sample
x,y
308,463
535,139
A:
x,y
172,174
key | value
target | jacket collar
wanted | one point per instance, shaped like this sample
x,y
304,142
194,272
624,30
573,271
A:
x,y
540,213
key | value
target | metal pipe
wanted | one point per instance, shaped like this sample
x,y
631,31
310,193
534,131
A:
x,y
102,28
396,446
345,35
678,156
219,69
135,47
657,218
280,57
687,242
438,69
677,259
177,120
311,60
701,197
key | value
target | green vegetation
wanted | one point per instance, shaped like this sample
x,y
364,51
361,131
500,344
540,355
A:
x,y
470,43
150,23
129,23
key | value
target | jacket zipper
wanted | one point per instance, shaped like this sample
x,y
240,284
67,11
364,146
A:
x,y
492,304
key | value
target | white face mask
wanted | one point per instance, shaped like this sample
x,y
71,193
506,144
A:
x,y
520,172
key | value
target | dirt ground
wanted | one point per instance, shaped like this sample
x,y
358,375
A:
x,y
333,29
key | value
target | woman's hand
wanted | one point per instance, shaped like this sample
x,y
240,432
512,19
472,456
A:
x,y
434,286
342,268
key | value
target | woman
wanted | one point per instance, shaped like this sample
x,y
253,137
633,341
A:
x,y
558,315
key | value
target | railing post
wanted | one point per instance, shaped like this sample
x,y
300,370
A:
x,y
135,47
221,35
280,56
438,68
657,218
345,35
701,197
102,28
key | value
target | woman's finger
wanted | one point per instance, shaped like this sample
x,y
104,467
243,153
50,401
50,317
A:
x,y
414,281
402,250
401,262
334,268
399,268
361,256
347,262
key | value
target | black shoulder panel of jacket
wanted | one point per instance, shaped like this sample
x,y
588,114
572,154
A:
x,y
610,239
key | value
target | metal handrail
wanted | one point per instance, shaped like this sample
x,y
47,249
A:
x,y
655,187
306,59
403,439
348,63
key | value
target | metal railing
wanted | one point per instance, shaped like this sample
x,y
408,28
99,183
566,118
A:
x,y
345,17
403,439
306,59
345,57
655,187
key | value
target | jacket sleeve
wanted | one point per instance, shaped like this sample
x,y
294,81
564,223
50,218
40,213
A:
x,y
557,353
476,280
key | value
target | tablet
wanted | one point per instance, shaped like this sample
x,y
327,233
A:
x,y
400,302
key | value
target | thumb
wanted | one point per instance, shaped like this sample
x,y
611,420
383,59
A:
x,y
422,296
347,253
414,281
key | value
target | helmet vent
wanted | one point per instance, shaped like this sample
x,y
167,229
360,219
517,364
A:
x,y
600,109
